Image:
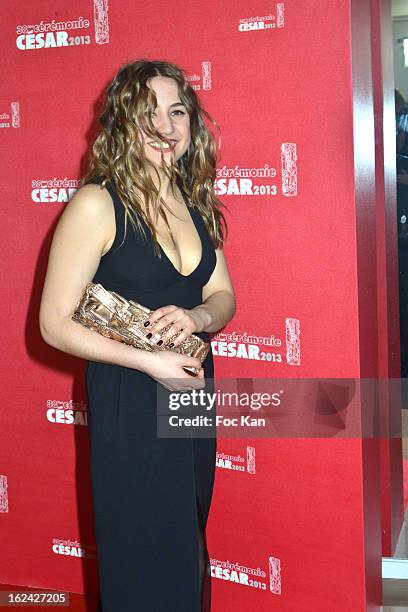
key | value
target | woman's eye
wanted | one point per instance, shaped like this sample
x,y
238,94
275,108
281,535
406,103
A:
x,y
176,112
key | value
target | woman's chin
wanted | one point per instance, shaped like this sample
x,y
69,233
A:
x,y
167,160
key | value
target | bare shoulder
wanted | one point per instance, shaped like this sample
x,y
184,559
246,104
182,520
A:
x,y
93,196
93,206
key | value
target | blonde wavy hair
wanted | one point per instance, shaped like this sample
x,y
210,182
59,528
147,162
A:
x,y
117,154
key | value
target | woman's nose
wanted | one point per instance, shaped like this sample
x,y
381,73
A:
x,y
164,124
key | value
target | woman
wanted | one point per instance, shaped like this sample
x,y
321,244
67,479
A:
x,y
153,164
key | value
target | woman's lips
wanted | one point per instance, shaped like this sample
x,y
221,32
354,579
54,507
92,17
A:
x,y
164,149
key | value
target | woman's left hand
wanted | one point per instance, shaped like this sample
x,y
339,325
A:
x,y
184,323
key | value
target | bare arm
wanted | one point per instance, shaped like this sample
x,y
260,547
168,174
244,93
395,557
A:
x,y
218,305
84,232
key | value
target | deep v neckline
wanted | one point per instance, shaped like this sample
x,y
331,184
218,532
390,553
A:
x,y
202,249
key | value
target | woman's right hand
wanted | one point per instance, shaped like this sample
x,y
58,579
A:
x,y
167,368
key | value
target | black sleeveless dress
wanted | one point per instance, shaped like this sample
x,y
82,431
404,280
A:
x,y
151,494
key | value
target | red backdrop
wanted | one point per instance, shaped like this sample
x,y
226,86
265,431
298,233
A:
x,y
289,528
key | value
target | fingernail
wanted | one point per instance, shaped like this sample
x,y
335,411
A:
x,y
149,335
146,323
160,342
171,344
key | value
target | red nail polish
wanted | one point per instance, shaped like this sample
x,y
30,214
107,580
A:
x,y
149,336
146,323
171,344
160,342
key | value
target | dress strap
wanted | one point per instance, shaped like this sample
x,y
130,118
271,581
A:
x,y
119,214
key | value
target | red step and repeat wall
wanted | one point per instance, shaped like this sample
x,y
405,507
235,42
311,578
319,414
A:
x,y
294,523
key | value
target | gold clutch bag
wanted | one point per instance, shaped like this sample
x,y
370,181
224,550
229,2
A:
x,y
120,319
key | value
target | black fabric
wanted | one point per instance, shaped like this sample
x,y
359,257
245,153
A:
x,y
151,495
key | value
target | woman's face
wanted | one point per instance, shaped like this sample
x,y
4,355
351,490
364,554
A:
x,y
171,119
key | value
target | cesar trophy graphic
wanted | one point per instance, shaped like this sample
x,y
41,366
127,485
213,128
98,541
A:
x,y
101,22
292,341
3,494
289,169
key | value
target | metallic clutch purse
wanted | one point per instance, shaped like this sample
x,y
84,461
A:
x,y
120,319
